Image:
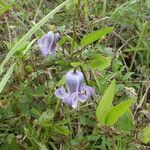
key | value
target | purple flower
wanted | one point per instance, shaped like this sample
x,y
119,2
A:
x,y
77,91
48,43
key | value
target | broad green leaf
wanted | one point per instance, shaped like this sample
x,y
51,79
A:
x,y
146,134
96,35
29,33
117,111
6,77
105,103
100,62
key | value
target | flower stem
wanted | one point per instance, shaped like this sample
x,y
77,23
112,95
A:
x,y
75,70
86,80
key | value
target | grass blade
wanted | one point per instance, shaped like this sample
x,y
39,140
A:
x,y
6,77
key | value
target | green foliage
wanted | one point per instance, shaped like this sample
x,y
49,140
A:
x,y
108,114
105,103
117,111
106,40
46,117
146,134
5,7
99,62
95,35
6,77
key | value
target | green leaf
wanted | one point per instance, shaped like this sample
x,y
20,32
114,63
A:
x,y
76,64
46,117
6,77
62,130
125,122
61,81
5,7
100,62
117,111
87,121
12,142
146,134
29,33
105,103
35,112
65,39
96,35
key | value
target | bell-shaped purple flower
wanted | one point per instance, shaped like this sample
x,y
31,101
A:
x,y
48,43
77,91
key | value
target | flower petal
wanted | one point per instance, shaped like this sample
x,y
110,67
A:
x,y
43,49
71,100
53,48
85,93
47,44
74,81
61,93
52,44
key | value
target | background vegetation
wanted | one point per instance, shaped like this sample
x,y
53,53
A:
x,y
108,40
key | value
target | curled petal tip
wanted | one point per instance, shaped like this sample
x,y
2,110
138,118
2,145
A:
x,y
61,93
86,93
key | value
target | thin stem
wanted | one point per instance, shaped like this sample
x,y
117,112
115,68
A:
x,y
86,80
75,70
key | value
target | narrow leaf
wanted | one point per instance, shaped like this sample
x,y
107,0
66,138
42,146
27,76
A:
x,y
6,77
96,35
105,103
